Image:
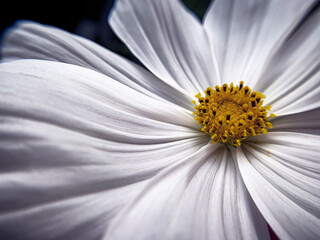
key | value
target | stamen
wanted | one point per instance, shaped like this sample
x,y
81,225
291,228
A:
x,y
231,114
241,85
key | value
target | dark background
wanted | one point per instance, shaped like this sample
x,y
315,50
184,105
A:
x,y
85,18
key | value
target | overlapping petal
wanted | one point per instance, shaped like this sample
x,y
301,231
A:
x,y
244,34
78,217
304,122
291,79
73,151
281,172
29,40
77,146
168,39
201,197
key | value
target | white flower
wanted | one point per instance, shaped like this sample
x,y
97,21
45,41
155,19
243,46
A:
x,y
93,146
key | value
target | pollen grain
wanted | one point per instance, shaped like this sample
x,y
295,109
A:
x,y
231,114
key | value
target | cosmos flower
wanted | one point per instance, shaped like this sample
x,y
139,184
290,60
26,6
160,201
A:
x,y
94,146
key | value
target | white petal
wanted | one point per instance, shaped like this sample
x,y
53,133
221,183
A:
x,y
305,122
281,172
28,40
244,33
167,39
69,134
291,80
201,197
81,217
51,83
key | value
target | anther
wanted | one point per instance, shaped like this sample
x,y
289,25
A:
x,y
214,112
246,90
225,87
241,85
230,115
231,87
258,99
245,107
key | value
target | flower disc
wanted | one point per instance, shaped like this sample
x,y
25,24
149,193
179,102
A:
x,y
230,114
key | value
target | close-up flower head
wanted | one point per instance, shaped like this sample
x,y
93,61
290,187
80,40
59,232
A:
x,y
212,133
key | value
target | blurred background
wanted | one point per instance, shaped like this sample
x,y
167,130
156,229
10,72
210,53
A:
x,y
85,18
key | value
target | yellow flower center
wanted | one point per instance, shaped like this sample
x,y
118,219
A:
x,y
230,114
